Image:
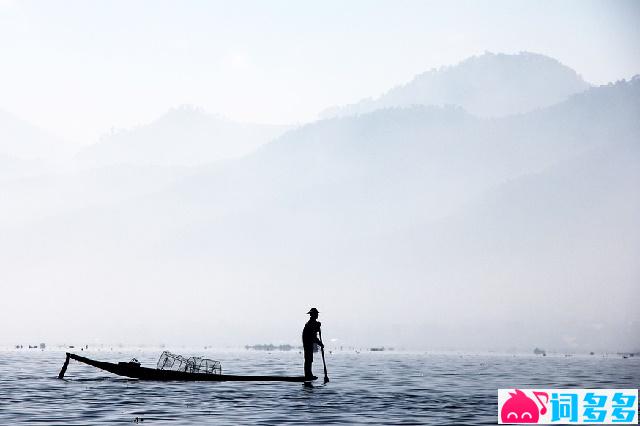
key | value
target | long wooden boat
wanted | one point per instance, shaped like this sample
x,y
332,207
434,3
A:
x,y
135,371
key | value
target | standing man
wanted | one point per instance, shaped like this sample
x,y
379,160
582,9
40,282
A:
x,y
309,339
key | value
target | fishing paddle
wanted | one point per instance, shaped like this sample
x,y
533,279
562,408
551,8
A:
x,y
326,377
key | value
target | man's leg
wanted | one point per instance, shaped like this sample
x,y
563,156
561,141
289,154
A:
x,y
308,360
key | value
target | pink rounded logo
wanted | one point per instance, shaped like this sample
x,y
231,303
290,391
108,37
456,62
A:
x,y
519,408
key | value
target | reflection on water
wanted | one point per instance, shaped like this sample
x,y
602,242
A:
x,y
389,388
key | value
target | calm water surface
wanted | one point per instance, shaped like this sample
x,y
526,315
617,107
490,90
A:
x,y
375,388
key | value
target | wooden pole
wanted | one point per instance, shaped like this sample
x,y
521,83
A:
x,y
64,367
326,377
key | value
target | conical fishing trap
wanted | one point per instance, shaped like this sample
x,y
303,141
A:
x,y
194,364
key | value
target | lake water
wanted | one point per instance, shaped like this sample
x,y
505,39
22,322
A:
x,y
375,388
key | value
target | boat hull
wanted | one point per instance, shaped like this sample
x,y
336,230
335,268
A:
x,y
135,371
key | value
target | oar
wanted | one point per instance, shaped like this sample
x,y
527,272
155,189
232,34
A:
x,y
326,377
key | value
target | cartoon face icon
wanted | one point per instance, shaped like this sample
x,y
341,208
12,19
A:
x,y
519,408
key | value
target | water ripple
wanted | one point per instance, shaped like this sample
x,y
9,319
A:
x,y
366,388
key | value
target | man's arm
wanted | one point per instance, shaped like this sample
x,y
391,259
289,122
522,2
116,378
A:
x,y
319,340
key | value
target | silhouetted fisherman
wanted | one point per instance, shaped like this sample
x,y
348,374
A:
x,y
309,340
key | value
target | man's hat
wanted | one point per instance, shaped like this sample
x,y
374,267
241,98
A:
x,y
313,310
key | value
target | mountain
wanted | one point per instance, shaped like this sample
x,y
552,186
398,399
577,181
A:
x,y
184,136
416,163
540,251
473,228
489,85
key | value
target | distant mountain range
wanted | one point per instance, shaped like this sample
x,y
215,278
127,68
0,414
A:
x,y
489,85
397,167
430,210
468,228
184,136
485,85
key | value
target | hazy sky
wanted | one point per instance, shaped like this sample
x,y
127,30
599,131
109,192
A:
x,y
78,68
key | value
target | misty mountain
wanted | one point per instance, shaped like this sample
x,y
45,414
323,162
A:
x,y
543,248
184,136
416,214
416,163
489,85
